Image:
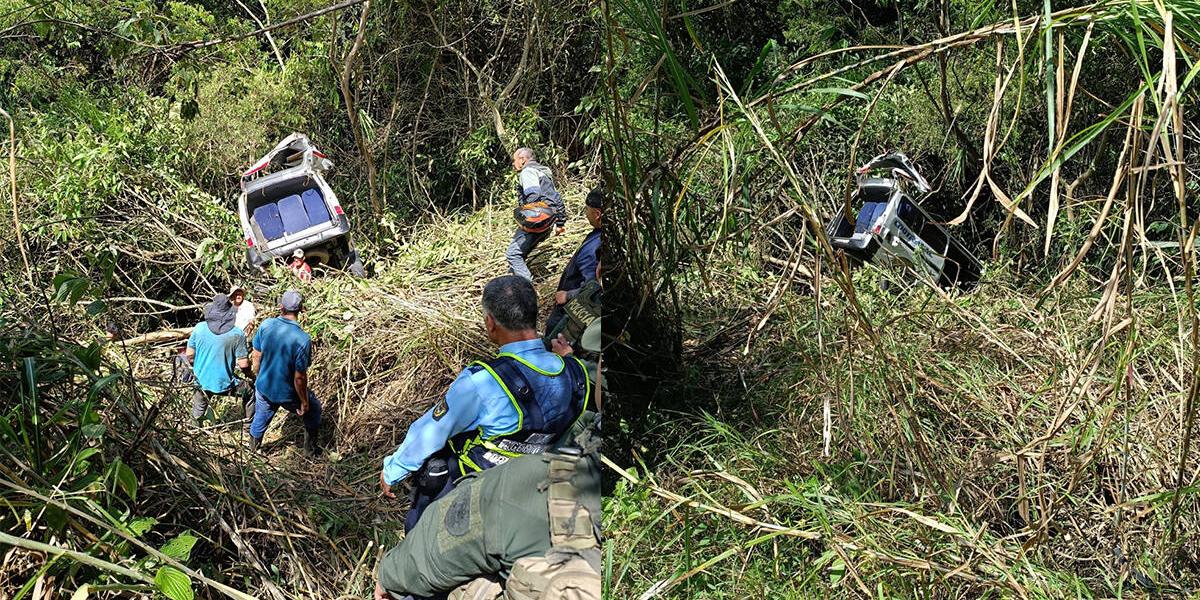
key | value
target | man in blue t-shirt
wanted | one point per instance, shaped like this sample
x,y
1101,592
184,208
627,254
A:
x,y
282,352
216,350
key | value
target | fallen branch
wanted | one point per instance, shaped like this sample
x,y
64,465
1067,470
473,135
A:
x,y
157,337
718,510
79,557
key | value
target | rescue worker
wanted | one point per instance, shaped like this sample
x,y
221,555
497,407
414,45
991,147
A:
x,y
582,325
582,266
520,402
282,353
539,209
527,529
216,349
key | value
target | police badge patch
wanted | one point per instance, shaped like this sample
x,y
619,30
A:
x,y
439,409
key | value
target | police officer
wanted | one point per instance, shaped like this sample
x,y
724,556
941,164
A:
x,y
520,402
527,529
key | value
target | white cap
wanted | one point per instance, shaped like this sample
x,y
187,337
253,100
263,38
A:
x,y
298,253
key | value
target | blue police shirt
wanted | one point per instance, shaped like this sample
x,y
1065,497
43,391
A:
x,y
286,350
216,356
475,400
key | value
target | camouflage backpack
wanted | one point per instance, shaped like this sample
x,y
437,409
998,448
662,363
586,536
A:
x,y
477,589
580,312
570,570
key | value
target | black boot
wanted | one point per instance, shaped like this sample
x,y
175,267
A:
x,y
254,442
249,411
310,443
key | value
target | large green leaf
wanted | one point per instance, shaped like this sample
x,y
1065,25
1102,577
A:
x,y
180,547
141,525
69,287
174,584
93,431
125,478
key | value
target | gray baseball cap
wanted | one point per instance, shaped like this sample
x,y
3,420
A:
x,y
292,301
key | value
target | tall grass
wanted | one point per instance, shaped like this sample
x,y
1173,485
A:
x,y
972,434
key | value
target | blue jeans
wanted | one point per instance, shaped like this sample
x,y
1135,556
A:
x,y
264,411
522,244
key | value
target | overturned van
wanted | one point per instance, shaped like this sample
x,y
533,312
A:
x,y
890,227
286,205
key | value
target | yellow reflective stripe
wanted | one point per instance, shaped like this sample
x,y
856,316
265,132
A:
x,y
511,398
464,460
464,463
587,383
494,448
587,395
562,364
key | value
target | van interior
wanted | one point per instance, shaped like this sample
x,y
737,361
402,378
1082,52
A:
x,y
286,208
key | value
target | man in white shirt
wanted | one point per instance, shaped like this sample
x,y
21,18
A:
x,y
245,308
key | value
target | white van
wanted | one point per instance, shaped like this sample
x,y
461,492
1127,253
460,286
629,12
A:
x,y
286,204
891,227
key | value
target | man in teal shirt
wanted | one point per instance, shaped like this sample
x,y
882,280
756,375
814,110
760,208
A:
x,y
215,348
520,402
282,354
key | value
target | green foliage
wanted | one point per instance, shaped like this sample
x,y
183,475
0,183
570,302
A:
x,y
180,547
174,584
239,117
952,384
723,186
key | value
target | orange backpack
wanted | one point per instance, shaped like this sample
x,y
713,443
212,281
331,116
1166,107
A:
x,y
535,215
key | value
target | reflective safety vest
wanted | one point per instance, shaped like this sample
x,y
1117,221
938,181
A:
x,y
541,420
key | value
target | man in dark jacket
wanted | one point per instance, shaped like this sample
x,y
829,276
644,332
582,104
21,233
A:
x,y
582,267
536,183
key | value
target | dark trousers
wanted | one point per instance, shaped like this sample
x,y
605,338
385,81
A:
x,y
436,478
241,390
523,243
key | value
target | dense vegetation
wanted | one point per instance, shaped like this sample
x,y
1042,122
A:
x,y
793,430
132,120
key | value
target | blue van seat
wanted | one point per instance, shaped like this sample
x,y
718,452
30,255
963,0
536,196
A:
x,y
291,209
867,216
314,205
269,222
